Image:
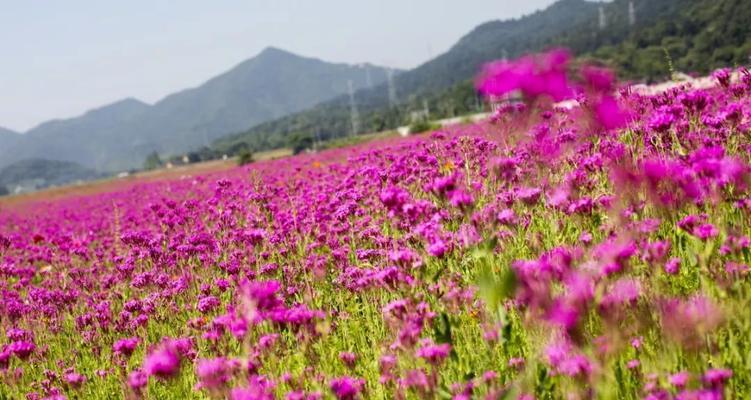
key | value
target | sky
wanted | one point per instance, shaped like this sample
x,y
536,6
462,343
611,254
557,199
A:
x,y
62,58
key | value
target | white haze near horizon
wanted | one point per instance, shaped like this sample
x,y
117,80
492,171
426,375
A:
x,y
62,58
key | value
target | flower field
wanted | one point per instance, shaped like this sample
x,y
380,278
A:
x,y
599,251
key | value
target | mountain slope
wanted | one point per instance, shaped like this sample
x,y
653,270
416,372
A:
x,y
686,28
91,139
8,137
119,136
36,174
487,42
702,35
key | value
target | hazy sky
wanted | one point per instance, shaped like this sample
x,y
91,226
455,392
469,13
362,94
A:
x,y
61,58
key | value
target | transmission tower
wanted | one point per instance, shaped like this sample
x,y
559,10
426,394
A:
x,y
354,115
603,19
392,87
368,81
631,13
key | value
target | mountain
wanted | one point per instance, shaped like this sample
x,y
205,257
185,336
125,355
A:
x,y
8,137
700,35
92,139
697,34
461,62
120,136
34,174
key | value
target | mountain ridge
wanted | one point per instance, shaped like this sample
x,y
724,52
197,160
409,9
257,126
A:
x,y
634,37
119,135
461,62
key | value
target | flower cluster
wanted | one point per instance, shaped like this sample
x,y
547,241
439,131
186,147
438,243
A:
x,y
597,250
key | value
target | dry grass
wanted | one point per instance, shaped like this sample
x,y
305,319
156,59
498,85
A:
x,y
110,184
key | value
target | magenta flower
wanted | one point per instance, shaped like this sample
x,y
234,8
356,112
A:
x,y
705,231
163,362
137,380
565,360
716,377
542,75
563,315
679,379
687,321
437,248
434,353
347,388
348,358
207,304
74,379
213,373
673,266
623,292
601,80
22,349
126,346
609,114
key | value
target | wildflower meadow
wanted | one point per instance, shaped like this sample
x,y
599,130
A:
x,y
585,251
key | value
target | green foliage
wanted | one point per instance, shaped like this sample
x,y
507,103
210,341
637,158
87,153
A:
x,y
152,161
245,157
35,174
300,142
423,126
697,35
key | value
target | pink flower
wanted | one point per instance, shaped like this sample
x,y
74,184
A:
x,y
137,380
164,362
705,231
347,388
599,79
673,266
434,353
22,349
539,75
348,358
679,379
213,373
74,379
716,377
126,346
437,248
623,292
609,114
507,217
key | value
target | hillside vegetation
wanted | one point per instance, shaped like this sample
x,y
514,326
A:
x,y
121,135
694,35
597,252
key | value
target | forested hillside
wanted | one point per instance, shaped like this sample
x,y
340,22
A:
x,y
640,39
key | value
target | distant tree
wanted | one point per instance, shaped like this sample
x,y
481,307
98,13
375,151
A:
x,y
193,157
152,161
245,157
423,125
300,142
4,191
239,149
